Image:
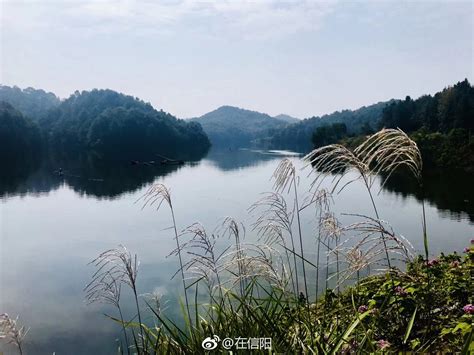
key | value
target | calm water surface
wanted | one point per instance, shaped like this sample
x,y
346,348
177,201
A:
x,y
51,227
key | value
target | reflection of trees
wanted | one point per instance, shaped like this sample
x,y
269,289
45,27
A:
x,y
85,174
449,191
89,175
15,175
104,179
231,159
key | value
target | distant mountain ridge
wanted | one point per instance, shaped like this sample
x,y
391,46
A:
x,y
237,127
297,136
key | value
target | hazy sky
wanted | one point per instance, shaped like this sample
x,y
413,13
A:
x,y
302,58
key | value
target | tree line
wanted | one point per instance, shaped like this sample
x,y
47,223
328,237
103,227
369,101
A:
x,y
442,125
299,136
108,123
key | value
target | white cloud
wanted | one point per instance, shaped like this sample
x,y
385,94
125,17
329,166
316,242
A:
x,y
247,19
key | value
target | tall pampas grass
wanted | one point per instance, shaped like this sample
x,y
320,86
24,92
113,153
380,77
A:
x,y
106,288
382,153
114,268
363,248
274,221
156,195
205,261
389,149
285,179
11,332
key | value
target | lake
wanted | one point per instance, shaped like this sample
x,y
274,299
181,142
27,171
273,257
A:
x,y
51,226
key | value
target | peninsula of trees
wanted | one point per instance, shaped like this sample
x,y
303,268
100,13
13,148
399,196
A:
x,y
105,122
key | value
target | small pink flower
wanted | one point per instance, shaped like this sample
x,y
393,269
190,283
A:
x,y
467,249
400,291
468,308
455,264
472,241
433,262
363,309
383,344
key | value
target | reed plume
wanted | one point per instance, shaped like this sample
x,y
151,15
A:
x,y
364,248
389,149
205,260
107,289
155,196
235,230
286,178
114,268
11,333
383,152
273,222
322,200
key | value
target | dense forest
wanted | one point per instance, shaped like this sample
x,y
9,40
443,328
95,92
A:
x,y
298,136
442,125
19,135
230,126
326,135
30,102
114,124
449,109
104,122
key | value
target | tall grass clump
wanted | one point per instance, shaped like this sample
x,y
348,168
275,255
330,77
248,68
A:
x,y
234,288
381,154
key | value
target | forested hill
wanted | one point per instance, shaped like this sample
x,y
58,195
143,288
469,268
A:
x,y
235,127
442,125
32,103
297,136
119,126
19,135
287,118
448,109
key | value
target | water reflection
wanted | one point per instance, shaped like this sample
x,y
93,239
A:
x,y
46,242
89,175
231,159
452,193
86,174
15,175
92,176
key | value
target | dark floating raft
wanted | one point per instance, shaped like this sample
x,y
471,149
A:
x,y
171,162
164,161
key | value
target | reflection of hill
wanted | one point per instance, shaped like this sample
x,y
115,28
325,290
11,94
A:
x,y
452,192
87,175
16,174
231,159
105,180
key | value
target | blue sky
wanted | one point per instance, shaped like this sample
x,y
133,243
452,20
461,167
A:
x,y
302,58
